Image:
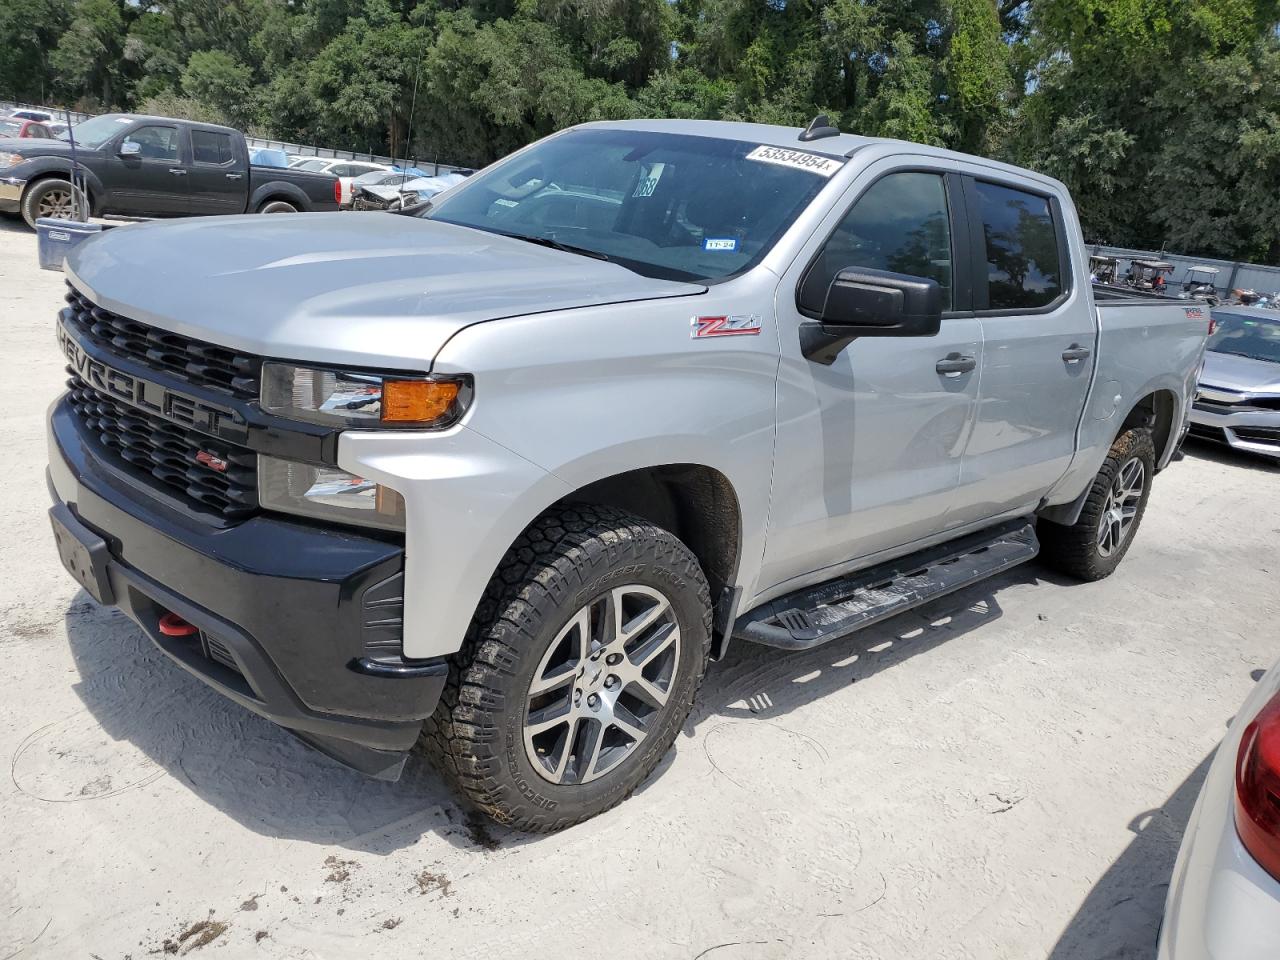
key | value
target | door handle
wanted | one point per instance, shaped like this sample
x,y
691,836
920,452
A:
x,y
234,176
177,171
1075,353
953,364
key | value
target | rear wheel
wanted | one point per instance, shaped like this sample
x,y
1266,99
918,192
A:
x,y
51,198
277,206
1094,545
578,671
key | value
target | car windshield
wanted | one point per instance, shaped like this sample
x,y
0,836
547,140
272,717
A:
x,y
664,205
10,128
1246,335
313,164
95,132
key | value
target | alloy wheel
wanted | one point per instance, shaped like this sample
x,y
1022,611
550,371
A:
x,y
601,687
1123,500
56,204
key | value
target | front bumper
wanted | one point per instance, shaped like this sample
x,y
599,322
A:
x,y
288,611
1252,430
11,193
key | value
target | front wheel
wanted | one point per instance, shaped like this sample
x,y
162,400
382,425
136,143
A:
x,y
578,671
52,198
1094,545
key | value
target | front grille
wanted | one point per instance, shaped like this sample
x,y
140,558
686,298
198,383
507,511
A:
x,y
1258,434
168,453
193,361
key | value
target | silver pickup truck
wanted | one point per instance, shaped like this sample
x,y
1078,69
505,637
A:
x,y
503,477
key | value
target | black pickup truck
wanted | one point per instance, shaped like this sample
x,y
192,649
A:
x,y
139,166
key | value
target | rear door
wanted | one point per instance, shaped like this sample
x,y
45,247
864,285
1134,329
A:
x,y
218,173
869,449
1038,333
154,181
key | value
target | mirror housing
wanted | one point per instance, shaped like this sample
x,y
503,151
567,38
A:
x,y
862,302
130,148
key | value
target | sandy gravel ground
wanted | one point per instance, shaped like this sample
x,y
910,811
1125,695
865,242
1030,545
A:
x,y
1004,775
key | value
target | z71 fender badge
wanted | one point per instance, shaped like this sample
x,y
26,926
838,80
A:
x,y
740,325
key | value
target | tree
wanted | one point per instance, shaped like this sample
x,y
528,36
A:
x,y
216,78
28,30
89,55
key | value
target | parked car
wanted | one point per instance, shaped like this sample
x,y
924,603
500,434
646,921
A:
x,y
19,128
1224,898
346,171
40,116
424,188
376,190
1238,402
506,475
152,167
268,157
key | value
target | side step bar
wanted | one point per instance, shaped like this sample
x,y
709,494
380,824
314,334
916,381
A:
x,y
837,608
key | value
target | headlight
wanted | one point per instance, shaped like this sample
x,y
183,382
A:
x,y
9,159
327,493
369,400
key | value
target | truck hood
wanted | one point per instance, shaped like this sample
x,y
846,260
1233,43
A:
x,y
39,147
1227,371
360,289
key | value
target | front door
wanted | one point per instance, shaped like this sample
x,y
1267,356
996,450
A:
x,y
869,449
153,181
1038,333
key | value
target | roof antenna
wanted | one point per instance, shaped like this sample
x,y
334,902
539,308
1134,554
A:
x,y
819,128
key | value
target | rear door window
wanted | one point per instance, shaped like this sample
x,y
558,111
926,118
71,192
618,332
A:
x,y
1020,240
211,147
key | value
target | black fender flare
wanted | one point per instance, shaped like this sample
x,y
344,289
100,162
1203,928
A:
x,y
278,190
42,168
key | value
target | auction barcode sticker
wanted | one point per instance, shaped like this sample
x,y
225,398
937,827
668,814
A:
x,y
799,159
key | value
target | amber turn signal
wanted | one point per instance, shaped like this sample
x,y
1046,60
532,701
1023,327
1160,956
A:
x,y
416,401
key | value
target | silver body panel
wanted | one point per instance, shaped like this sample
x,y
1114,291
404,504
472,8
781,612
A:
x,y
591,371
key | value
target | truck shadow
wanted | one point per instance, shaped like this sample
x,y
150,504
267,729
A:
x,y
246,767
1202,449
256,773
1119,919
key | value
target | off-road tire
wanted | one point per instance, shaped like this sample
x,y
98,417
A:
x,y
37,191
1074,550
277,206
562,561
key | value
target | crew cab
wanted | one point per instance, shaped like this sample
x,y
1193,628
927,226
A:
x,y
505,476
140,166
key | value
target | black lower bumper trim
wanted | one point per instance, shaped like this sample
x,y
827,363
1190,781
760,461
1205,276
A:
x,y
277,604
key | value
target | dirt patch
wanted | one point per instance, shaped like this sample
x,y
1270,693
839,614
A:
x,y
260,936
392,922
339,870
199,934
251,903
478,830
429,882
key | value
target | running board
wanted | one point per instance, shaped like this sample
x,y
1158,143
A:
x,y
837,608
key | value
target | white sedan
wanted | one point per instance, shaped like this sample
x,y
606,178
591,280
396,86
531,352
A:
x,y
1224,900
346,171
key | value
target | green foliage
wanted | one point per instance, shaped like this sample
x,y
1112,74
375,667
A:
x,y
1162,116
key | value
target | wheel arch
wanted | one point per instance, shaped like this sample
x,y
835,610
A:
x,y
91,184
1158,410
278,190
695,502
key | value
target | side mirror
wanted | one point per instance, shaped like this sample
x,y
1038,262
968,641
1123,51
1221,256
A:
x,y
130,148
872,303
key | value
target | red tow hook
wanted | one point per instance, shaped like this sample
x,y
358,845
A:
x,y
172,625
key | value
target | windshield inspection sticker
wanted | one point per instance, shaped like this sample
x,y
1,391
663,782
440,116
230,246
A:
x,y
720,243
740,325
814,163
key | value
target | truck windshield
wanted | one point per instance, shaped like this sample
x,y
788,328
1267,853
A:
x,y
95,132
1246,335
664,205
